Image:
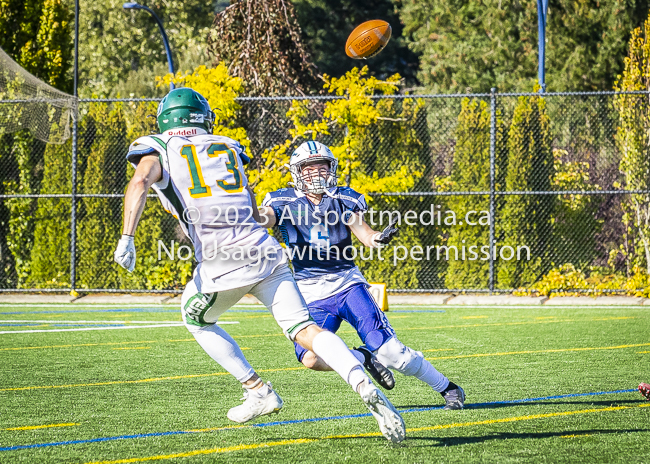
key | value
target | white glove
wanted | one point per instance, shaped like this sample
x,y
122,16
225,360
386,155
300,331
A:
x,y
125,253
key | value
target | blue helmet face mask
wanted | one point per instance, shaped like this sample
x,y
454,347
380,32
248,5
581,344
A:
x,y
313,182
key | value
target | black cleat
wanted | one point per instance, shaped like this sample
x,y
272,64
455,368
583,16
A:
x,y
382,375
454,399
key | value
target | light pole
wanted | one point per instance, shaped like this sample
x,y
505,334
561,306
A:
x,y
170,60
542,9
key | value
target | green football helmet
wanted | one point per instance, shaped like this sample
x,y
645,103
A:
x,y
184,107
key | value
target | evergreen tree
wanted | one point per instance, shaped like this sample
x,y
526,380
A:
x,y
632,137
471,172
37,35
575,221
479,45
20,227
116,45
526,220
50,255
105,144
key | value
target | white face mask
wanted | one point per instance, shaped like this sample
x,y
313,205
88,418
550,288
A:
x,y
315,181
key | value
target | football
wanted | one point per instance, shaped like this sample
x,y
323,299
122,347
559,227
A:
x,y
368,39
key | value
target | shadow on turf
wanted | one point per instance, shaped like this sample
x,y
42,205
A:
x,y
509,405
455,441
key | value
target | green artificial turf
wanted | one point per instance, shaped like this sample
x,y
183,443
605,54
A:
x,y
156,381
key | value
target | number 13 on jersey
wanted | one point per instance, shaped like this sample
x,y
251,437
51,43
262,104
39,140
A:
x,y
199,189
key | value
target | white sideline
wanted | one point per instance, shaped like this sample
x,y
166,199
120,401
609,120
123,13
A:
x,y
56,321
178,324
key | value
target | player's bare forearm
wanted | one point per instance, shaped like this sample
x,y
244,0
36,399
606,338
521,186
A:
x,y
267,217
363,231
146,174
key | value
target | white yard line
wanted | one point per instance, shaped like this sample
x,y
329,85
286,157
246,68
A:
x,y
179,324
109,305
56,321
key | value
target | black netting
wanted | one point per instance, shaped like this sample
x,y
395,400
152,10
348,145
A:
x,y
492,179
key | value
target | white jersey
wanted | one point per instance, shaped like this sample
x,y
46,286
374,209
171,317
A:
x,y
203,185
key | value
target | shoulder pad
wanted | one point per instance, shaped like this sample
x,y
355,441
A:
x,y
147,145
280,196
354,200
348,192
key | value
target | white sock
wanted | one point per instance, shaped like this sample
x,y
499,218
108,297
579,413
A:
x,y
331,349
430,375
224,350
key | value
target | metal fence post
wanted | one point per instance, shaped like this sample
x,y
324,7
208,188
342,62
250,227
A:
x,y
493,137
73,208
73,177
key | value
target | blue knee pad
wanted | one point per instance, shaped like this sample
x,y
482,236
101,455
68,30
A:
x,y
376,338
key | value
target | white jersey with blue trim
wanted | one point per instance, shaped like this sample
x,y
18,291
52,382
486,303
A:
x,y
204,186
314,243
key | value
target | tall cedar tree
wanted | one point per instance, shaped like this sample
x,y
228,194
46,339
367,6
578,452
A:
x,y
260,41
633,140
478,45
471,172
50,255
104,146
36,34
526,220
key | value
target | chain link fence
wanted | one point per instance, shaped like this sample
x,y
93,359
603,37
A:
x,y
504,190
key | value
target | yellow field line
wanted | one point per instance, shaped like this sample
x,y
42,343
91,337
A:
x,y
35,427
211,451
562,350
217,429
300,441
134,348
493,324
77,345
154,379
497,324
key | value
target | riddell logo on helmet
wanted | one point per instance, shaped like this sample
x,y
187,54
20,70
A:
x,y
182,131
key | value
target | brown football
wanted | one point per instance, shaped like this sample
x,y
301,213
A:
x,y
368,39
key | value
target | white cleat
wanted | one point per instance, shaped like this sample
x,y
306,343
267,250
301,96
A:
x,y
390,422
257,403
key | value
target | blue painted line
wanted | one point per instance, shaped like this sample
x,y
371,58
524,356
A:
x,y
314,419
416,311
18,325
526,400
93,440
